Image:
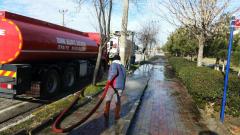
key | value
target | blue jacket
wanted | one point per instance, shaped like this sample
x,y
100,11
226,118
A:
x,y
117,74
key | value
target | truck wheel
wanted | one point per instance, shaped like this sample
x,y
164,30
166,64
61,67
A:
x,y
51,83
69,77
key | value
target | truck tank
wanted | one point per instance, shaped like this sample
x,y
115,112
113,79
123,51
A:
x,y
24,39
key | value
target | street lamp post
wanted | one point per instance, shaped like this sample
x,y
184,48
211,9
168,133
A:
x,y
63,12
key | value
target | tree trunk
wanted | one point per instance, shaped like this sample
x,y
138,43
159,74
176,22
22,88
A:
x,y
104,31
201,41
223,67
123,38
144,56
98,63
216,67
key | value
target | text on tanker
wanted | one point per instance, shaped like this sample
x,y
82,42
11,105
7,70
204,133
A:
x,y
71,44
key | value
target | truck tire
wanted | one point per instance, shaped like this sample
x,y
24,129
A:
x,y
50,84
68,77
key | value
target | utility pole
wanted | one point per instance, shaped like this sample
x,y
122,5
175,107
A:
x,y
63,12
123,38
132,55
133,44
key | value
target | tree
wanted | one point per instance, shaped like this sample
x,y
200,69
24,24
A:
x,y
236,50
103,10
201,17
181,43
104,22
148,36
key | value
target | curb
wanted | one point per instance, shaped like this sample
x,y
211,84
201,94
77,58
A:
x,y
133,111
124,123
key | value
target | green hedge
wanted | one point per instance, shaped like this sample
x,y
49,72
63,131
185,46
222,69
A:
x,y
206,85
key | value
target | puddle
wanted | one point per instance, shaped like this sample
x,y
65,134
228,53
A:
x,y
143,70
163,73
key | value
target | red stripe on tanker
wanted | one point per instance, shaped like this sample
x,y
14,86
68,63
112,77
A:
x,y
24,39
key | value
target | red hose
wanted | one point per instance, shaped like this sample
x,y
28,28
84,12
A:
x,y
56,125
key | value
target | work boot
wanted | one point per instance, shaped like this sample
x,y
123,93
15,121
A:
x,y
106,112
117,110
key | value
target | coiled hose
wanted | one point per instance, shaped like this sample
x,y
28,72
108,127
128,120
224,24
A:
x,y
56,125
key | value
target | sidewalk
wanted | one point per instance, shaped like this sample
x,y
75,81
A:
x,y
167,109
135,85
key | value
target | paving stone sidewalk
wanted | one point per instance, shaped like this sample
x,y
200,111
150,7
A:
x,y
166,108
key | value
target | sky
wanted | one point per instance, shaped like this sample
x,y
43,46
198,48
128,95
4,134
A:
x,y
83,18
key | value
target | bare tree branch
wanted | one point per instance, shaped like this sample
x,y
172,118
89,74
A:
x,y
201,17
148,36
103,10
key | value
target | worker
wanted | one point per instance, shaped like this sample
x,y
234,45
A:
x,y
116,78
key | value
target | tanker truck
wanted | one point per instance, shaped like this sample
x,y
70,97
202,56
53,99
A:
x,y
41,58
